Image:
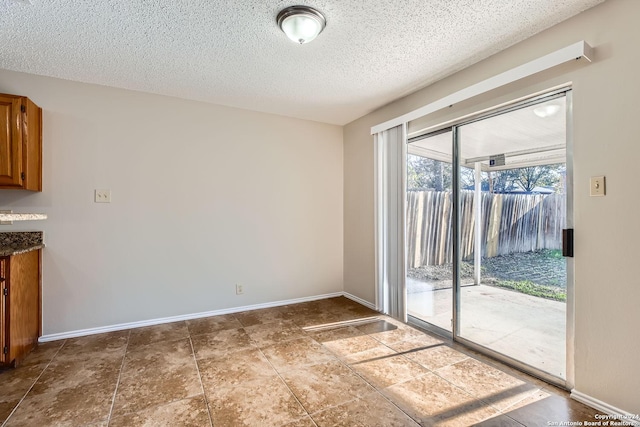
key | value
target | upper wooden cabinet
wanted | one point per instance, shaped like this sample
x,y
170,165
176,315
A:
x,y
20,143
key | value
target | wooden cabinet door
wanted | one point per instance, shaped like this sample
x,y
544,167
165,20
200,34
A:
x,y
23,303
3,312
11,141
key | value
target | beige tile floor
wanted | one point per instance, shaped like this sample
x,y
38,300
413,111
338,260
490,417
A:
x,y
323,363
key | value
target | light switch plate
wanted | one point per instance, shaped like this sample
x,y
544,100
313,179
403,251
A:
x,y
103,196
597,186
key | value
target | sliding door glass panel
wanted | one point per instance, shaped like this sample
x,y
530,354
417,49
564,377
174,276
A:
x,y
429,230
512,292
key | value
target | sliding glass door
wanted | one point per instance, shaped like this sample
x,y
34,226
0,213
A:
x,y
486,206
430,230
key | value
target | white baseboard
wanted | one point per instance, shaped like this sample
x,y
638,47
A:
x,y
153,322
360,301
618,414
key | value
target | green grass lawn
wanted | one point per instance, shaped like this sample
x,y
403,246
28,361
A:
x,y
530,288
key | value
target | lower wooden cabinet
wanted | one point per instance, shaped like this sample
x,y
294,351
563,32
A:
x,y
20,306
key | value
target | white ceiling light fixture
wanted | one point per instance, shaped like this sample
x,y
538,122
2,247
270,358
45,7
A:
x,y
301,24
546,110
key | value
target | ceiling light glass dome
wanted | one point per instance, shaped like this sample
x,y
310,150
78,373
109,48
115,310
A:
x,y
301,24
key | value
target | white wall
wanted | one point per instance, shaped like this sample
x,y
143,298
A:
x,y
203,197
606,94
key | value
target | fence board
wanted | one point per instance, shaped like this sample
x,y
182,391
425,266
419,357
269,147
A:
x,y
510,223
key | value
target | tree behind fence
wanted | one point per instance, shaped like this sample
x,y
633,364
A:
x,y
511,223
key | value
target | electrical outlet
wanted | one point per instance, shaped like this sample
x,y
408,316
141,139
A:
x,y
239,289
103,196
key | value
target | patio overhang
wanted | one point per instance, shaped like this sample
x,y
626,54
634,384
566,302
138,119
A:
x,y
530,136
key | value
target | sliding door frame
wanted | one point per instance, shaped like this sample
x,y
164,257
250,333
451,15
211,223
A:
x,y
568,382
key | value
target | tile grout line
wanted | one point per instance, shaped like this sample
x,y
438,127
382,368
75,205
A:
x,y
473,395
32,385
514,420
142,347
375,389
287,385
340,404
204,393
115,391
403,355
258,347
480,399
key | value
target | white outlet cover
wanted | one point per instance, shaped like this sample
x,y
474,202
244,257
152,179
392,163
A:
x,y
102,196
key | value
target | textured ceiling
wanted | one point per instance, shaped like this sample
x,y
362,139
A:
x,y
231,52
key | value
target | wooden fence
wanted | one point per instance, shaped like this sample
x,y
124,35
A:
x,y
511,223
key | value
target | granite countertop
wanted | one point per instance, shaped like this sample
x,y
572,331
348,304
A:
x,y
22,216
18,242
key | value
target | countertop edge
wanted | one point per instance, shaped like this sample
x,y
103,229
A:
x,y
20,250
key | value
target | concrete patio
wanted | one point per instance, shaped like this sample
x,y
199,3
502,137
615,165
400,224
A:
x,y
523,327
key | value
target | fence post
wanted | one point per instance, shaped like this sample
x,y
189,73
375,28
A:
x,y
493,234
418,202
477,217
446,214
